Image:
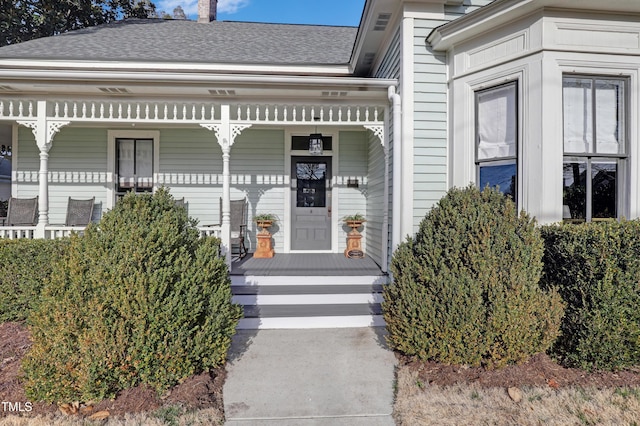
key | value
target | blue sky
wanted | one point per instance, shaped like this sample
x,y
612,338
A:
x,y
319,12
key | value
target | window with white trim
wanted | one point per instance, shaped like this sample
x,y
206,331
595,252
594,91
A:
x,y
595,152
497,138
134,165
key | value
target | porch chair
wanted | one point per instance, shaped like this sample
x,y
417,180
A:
x,y
238,225
79,212
181,203
21,212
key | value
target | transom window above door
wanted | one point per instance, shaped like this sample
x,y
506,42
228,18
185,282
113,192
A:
x,y
134,165
595,151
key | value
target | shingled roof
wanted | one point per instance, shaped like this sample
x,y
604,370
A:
x,y
156,40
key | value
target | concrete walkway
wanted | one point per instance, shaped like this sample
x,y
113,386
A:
x,y
310,377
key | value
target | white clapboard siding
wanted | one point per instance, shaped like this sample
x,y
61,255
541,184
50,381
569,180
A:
x,y
191,167
353,158
375,200
257,172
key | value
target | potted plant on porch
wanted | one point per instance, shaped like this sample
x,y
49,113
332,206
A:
x,y
354,245
264,247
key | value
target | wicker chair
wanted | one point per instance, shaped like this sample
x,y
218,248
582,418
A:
x,y
238,225
22,212
79,212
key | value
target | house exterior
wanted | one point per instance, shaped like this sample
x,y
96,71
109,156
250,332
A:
x,y
539,97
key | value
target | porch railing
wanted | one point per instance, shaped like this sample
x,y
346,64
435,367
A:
x,y
53,231
17,232
192,112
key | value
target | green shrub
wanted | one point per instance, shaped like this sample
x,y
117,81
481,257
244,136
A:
x,y
140,299
597,268
25,267
465,288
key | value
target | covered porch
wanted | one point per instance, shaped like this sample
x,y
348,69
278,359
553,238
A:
x,y
76,154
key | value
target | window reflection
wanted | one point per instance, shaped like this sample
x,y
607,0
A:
x,y
311,185
502,176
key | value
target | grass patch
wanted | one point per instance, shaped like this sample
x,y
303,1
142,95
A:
x,y
171,415
472,404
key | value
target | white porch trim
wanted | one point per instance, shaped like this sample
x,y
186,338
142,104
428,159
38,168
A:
x,y
226,120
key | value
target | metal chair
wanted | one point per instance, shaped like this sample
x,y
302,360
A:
x,y
238,225
79,212
22,212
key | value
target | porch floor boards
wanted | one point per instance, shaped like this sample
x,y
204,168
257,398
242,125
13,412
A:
x,y
305,264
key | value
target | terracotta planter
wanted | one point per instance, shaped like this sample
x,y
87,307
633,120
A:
x,y
354,246
265,246
265,225
354,225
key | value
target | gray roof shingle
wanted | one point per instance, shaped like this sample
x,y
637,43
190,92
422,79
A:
x,y
155,40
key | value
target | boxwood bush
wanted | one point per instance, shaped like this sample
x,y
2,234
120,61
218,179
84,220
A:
x,y
465,288
140,299
25,267
597,268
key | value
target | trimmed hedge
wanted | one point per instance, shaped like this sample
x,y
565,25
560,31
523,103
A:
x,y
25,268
140,299
597,269
465,288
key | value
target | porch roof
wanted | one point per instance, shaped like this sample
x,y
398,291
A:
x,y
179,41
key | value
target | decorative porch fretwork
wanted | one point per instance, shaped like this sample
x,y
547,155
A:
x,y
190,112
377,130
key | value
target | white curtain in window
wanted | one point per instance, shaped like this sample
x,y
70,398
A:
x,y
497,123
144,163
126,171
578,117
608,115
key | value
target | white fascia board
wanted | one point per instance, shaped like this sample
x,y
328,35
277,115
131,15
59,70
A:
x,y
367,39
444,37
424,10
502,12
312,69
192,78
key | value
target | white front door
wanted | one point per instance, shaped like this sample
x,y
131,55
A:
x,y
310,203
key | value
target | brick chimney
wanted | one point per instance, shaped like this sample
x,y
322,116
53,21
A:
x,y
207,10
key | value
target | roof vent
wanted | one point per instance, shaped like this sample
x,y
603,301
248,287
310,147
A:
x,y
4,88
222,92
334,94
114,90
382,22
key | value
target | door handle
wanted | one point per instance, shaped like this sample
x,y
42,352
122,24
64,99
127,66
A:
x,y
329,212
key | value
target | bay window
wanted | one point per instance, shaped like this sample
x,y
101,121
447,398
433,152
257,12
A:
x,y
595,152
497,138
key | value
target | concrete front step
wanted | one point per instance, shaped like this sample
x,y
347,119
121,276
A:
x,y
309,301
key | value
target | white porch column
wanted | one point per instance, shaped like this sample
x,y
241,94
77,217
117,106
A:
x,y
396,226
225,134
43,130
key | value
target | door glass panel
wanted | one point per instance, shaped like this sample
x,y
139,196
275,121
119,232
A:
x,y
311,186
144,164
126,164
604,189
574,190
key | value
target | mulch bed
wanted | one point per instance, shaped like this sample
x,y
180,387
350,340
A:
x,y
540,370
197,392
